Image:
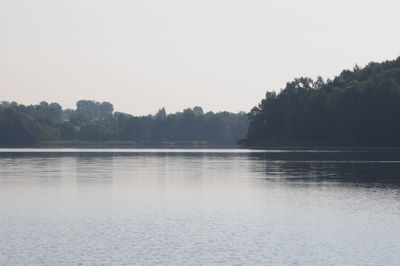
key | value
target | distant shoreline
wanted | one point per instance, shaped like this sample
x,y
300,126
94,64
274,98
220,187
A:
x,y
133,144
321,148
194,145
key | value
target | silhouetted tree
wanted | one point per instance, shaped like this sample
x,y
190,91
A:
x,y
356,108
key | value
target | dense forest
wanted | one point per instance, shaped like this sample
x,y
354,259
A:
x,y
360,107
357,108
94,122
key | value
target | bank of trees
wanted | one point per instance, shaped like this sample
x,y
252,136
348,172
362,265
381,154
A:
x,y
25,126
22,126
360,107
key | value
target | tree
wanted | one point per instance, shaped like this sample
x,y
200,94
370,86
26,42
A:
x,y
356,108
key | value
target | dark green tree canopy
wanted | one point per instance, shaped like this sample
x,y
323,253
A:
x,y
94,110
95,122
357,108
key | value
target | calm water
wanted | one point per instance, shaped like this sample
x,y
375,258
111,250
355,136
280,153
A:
x,y
199,207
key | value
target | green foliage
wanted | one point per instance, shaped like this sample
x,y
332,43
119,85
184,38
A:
x,y
94,110
161,113
356,108
95,122
29,125
18,129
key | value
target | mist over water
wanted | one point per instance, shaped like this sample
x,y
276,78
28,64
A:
x,y
199,207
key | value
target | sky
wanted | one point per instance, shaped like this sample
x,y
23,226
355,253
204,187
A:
x,y
218,54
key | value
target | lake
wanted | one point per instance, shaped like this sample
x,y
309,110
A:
x,y
94,206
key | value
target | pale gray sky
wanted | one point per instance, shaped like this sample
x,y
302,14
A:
x,y
219,54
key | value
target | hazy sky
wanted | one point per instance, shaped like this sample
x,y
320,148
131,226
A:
x,y
219,54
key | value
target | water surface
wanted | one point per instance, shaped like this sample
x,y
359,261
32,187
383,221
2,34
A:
x,y
71,206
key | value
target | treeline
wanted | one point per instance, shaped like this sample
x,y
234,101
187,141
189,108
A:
x,y
357,108
30,126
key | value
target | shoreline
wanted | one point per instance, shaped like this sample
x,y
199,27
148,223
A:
x,y
189,145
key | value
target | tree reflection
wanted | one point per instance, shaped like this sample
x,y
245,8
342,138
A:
x,y
367,168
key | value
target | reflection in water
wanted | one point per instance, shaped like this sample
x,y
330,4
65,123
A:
x,y
375,168
205,207
88,170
